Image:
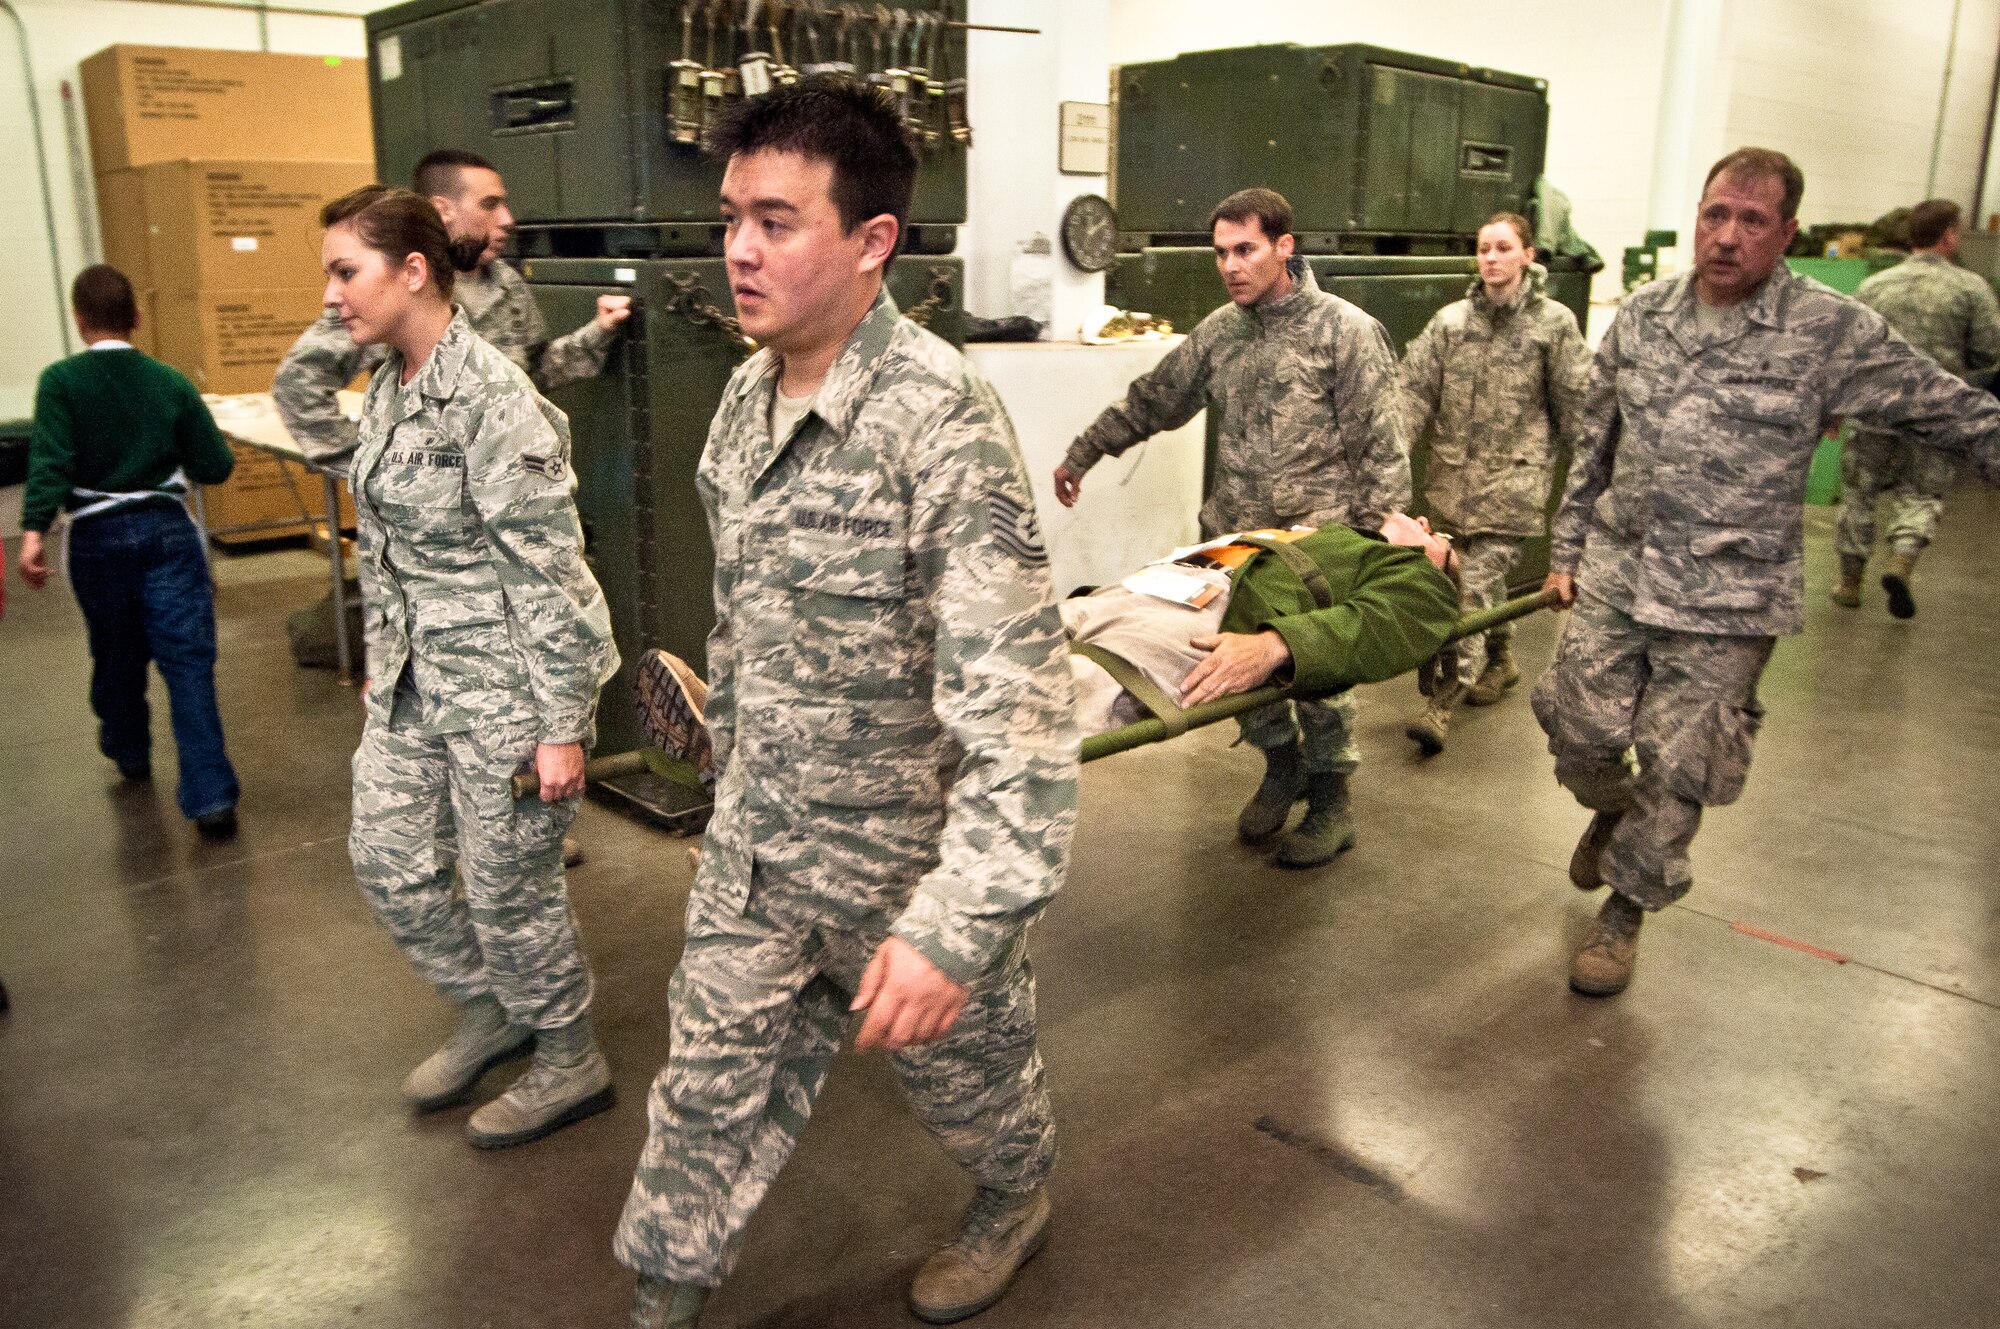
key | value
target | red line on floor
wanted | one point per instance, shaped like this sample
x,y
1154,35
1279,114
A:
x,y
1777,940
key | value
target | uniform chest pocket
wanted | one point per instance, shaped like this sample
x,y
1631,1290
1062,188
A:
x,y
1764,403
1635,392
419,485
1303,378
861,569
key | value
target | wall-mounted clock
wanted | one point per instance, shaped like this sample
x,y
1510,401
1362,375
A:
x,y
1089,233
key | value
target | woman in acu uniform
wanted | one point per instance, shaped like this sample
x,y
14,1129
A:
x,y
1497,380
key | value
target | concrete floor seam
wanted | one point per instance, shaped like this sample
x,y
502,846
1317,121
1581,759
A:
x,y
1860,963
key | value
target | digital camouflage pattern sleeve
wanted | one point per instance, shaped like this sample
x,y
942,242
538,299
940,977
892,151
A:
x,y
1002,692
1165,397
321,362
517,474
512,321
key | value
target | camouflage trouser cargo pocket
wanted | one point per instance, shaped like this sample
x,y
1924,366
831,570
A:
x,y
1585,702
1708,760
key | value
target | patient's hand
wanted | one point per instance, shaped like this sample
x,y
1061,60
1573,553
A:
x,y
1236,662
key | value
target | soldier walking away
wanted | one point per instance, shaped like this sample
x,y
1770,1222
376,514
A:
x,y
889,710
118,438
1301,386
1496,381
1950,315
487,642
1680,539
471,198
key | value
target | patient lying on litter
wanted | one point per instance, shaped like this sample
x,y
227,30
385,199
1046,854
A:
x,y
1317,610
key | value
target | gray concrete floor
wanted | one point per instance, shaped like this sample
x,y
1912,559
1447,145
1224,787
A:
x,y
1355,1097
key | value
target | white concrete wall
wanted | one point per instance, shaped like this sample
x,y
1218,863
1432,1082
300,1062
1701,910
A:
x,y
1014,191
1851,89
61,33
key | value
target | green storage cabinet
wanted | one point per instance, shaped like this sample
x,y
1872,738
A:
x,y
569,100
637,435
1390,151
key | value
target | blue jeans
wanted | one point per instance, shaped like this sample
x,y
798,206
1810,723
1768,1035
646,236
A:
x,y
142,583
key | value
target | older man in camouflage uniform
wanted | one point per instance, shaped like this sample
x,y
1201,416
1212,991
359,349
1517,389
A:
x,y
1680,536
1950,315
472,199
891,714
1302,386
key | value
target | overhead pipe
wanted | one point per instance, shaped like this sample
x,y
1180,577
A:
x,y
42,168
1979,204
1944,101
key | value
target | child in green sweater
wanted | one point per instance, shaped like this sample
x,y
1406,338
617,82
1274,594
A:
x,y
118,437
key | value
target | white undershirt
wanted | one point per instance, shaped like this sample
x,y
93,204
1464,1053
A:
x,y
1713,321
786,412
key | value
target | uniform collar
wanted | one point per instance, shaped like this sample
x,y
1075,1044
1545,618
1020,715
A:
x,y
843,390
1532,283
438,379
1304,292
1765,307
482,288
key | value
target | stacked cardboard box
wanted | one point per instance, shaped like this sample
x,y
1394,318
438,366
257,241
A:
x,y
211,170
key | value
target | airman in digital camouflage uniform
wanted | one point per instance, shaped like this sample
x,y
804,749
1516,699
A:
x,y
891,715
487,642
1303,387
1950,315
472,200
1497,382
1680,536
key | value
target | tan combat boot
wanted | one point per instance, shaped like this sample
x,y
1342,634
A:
x,y
1327,829
999,1234
1603,966
567,1081
1494,680
673,709
1585,865
1896,581
482,1040
1427,731
572,851
658,1304
1284,784
1847,592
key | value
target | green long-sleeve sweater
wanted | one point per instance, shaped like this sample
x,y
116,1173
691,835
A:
x,y
1391,610
116,421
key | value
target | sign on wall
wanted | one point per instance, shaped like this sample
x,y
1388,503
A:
x,y
1086,139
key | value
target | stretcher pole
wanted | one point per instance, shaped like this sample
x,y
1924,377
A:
x,y
527,784
1153,730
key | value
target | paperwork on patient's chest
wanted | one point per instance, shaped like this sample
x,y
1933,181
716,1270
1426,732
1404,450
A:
x,y
1163,581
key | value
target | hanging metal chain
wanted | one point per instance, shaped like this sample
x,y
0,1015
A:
x,y
938,297
692,302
